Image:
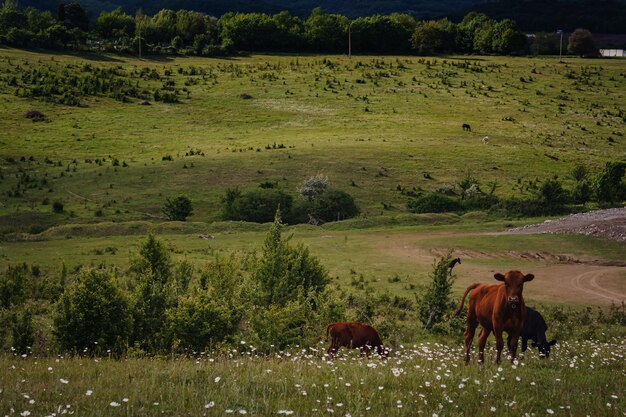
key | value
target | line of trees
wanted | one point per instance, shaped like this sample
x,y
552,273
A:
x,y
191,32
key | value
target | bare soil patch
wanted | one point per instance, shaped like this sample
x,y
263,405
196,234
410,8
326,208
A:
x,y
609,224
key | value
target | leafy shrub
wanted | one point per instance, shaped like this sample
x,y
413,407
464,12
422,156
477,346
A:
x,y
34,115
607,185
436,302
553,196
93,315
199,322
57,207
151,299
334,205
285,272
313,187
582,192
178,208
255,206
433,203
23,330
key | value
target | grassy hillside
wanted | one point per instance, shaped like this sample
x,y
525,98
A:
x,y
374,126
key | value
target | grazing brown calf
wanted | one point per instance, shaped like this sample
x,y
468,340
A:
x,y
497,308
353,336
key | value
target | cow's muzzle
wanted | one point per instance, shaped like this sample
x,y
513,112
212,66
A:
x,y
513,302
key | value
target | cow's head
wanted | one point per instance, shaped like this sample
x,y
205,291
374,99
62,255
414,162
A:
x,y
514,285
544,348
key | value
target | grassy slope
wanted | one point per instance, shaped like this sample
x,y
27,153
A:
x,y
411,127
315,107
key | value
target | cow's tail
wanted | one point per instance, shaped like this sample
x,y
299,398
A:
x,y
470,288
328,330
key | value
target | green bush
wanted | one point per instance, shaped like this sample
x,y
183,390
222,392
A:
x,y
608,186
334,205
199,322
23,331
435,302
151,297
93,315
285,272
255,206
178,209
433,203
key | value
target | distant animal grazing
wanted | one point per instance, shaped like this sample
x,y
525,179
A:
x,y
497,308
535,329
486,140
353,336
467,127
454,262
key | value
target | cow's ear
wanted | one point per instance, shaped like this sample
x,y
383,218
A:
x,y
528,277
552,342
498,276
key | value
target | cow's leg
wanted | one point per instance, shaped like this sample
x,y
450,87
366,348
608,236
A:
x,y
524,344
333,348
469,336
514,338
499,344
482,341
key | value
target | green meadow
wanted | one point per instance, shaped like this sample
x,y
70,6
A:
x,y
380,128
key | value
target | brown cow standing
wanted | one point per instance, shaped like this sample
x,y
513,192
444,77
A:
x,y
497,308
353,336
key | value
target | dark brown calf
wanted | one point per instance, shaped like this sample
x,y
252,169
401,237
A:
x,y
497,308
353,336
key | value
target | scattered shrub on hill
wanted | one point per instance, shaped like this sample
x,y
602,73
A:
x,y
177,209
313,187
35,115
333,205
608,186
57,207
255,206
93,316
433,203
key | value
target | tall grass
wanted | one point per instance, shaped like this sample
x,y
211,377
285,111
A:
x,y
429,379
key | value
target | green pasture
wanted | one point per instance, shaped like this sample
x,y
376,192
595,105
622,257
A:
x,y
396,259
373,125
426,378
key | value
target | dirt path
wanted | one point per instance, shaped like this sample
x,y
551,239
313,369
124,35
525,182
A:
x,y
560,277
588,282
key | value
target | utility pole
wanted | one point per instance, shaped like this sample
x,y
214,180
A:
x,y
350,40
138,22
560,32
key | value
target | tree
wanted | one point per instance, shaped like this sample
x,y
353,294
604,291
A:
x,y
313,187
177,209
73,15
608,185
114,25
466,30
436,300
151,297
434,37
334,205
93,315
284,272
326,32
581,43
507,38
